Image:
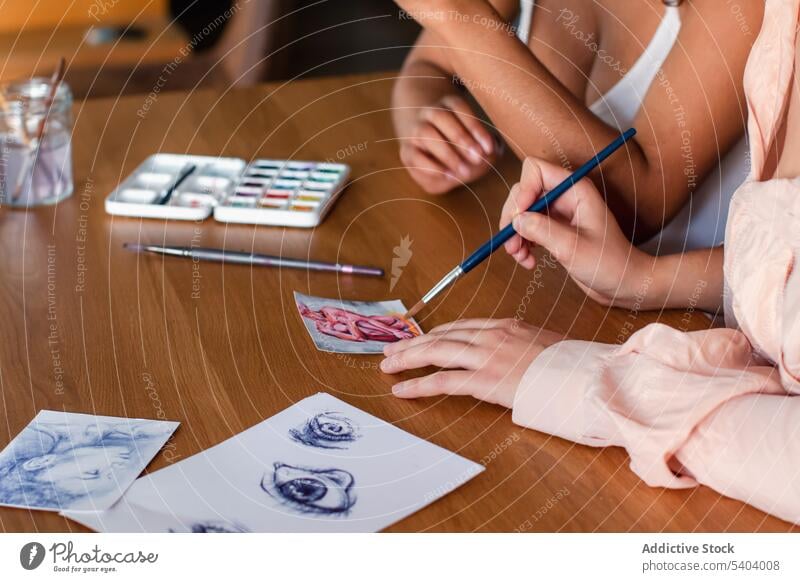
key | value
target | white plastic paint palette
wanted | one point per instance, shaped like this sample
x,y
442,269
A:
x,y
287,193
271,192
141,194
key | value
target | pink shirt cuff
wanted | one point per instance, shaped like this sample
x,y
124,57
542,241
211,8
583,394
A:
x,y
552,396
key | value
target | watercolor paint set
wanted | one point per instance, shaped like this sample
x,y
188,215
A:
x,y
269,192
284,193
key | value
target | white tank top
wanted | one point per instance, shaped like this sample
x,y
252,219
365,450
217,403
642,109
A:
x,y
701,223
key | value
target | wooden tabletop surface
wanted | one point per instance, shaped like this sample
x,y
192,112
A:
x,y
88,327
38,51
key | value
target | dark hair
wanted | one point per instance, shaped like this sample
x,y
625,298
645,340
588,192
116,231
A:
x,y
672,2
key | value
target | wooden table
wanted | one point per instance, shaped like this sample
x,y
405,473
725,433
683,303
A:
x,y
89,327
103,69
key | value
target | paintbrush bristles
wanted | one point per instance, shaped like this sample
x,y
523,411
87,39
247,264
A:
x,y
414,310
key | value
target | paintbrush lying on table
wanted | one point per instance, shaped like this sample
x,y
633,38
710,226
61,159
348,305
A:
x,y
254,259
501,237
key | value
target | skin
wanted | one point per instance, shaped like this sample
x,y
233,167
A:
x,y
582,234
490,357
486,358
556,77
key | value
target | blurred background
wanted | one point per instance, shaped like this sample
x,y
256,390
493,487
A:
x,y
118,47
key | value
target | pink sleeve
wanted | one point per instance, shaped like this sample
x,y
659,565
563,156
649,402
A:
x,y
762,278
702,400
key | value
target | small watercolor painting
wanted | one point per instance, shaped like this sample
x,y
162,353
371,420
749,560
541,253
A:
x,y
354,327
78,462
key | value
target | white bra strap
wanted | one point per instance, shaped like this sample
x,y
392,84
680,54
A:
x,y
525,20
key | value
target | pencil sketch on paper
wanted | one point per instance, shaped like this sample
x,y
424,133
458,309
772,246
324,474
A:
x,y
326,430
265,481
211,526
354,327
75,461
308,490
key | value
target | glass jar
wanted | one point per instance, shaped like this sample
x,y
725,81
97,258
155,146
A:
x,y
33,173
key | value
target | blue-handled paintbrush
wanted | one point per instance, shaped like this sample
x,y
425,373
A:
x,y
501,237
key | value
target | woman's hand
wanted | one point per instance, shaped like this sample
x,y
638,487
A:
x,y
580,232
484,358
447,145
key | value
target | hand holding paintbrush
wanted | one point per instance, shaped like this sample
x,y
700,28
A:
x,y
505,234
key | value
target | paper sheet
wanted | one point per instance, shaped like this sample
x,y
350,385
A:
x,y
318,466
124,517
72,461
354,327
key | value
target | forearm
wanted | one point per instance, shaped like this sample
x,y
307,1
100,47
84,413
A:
x,y
423,80
691,279
537,115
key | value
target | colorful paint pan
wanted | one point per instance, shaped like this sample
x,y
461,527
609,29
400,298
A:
x,y
286,184
324,176
249,191
301,165
292,193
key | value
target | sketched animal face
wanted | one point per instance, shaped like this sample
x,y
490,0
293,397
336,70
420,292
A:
x,y
327,430
307,490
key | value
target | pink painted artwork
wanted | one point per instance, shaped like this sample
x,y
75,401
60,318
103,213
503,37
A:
x,y
354,326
